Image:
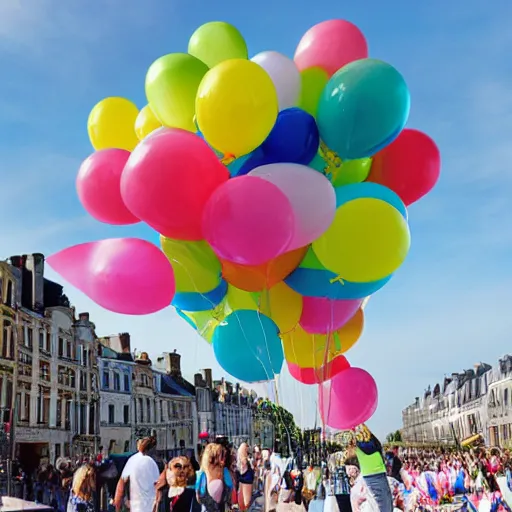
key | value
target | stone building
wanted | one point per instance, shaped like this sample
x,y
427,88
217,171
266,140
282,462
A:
x,y
116,371
48,366
229,410
468,407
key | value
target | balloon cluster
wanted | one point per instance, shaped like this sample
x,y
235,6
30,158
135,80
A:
x,y
279,188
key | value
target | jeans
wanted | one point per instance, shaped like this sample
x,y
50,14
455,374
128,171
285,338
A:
x,y
379,487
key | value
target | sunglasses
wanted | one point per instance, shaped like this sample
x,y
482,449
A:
x,y
180,466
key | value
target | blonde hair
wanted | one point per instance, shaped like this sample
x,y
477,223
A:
x,y
214,457
84,482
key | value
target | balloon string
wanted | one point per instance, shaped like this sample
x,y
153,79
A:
x,y
337,279
228,158
332,160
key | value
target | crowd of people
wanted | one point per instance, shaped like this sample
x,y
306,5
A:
x,y
360,478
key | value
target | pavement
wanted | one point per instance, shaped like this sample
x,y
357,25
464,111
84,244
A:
x,y
258,503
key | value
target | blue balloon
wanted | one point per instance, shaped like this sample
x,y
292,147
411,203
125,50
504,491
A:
x,y
193,301
293,139
247,346
371,190
186,318
363,108
311,282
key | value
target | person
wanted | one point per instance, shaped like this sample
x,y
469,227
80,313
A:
x,y
142,473
373,467
396,465
214,482
244,476
172,487
82,490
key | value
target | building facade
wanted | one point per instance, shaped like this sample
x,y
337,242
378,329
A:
x,y
226,409
116,372
49,391
467,407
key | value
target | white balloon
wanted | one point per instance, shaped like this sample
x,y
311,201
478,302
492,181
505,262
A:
x,y
285,75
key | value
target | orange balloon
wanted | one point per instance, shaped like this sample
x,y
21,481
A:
x,y
254,278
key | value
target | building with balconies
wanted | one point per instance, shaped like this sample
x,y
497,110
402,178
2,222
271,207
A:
x,y
49,395
469,406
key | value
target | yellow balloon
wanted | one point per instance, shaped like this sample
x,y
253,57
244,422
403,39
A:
x,y
146,123
283,305
309,350
196,267
236,106
111,124
239,299
367,241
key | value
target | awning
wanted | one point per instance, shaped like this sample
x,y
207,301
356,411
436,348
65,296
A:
x,y
471,440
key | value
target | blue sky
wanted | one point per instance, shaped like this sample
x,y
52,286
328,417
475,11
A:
x,y
447,308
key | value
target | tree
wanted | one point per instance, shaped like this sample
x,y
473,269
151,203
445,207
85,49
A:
x,y
394,437
286,429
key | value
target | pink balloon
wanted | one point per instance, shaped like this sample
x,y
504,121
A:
x,y
321,315
124,275
311,195
349,399
168,179
99,186
249,221
330,45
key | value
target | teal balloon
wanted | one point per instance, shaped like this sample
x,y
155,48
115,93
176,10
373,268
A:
x,y
367,189
363,108
246,344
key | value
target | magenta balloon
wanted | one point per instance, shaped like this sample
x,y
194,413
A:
x,y
249,221
330,45
99,186
124,275
321,315
311,195
168,179
348,399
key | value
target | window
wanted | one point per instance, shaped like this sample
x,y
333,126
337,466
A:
x,y
59,413
141,411
126,414
61,347
106,379
44,371
57,451
69,349
8,341
161,411
29,337
127,382
148,407
117,382
67,449
505,397
126,446
111,414
42,345
83,381
83,418
8,298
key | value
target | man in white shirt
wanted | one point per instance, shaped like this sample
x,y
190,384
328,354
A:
x,y
142,473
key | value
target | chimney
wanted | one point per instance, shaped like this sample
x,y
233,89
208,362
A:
x,y
207,373
124,341
199,381
35,264
83,317
173,364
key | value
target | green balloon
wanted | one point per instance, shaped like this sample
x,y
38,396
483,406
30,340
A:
x,y
216,42
340,173
171,86
313,83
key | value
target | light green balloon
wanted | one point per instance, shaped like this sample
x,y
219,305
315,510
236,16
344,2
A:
x,y
196,267
171,86
313,83
340,173
216,42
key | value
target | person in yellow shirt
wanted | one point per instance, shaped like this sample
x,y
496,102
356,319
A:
x,y
373,468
